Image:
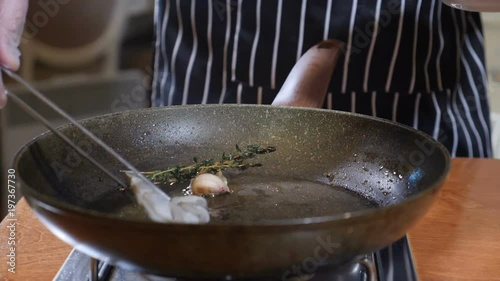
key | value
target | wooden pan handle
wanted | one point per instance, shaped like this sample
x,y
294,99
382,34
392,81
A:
x,y
307,83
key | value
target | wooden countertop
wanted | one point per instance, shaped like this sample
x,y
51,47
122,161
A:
x,y
459,239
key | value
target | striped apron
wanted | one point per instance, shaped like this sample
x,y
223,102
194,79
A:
x,y
416,62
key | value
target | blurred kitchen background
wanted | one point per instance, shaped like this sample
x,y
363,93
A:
x,y
91,56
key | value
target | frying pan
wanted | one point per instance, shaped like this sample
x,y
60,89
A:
x,y
339,185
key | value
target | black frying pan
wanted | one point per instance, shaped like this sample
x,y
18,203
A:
x,y
340,185
377,178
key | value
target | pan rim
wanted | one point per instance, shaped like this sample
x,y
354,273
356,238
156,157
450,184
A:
x,y
63,207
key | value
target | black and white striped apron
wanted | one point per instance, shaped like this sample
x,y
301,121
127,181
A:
x,y
417,62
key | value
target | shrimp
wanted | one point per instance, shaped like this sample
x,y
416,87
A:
x,y
161,208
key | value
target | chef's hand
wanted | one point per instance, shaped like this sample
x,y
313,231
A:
x,y
12,18
307,83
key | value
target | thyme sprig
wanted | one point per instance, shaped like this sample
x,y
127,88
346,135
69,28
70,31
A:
x,y
234,160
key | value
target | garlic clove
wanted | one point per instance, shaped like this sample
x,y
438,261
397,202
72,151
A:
x,y
209,184
220,175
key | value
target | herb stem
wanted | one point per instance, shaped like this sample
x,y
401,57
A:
x,y
234,160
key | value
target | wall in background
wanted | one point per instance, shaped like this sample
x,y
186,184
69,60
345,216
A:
x,y
140,6
491,24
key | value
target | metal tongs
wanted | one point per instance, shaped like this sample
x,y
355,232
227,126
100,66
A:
x,y
159,206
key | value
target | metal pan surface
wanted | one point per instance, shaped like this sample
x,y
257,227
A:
x,y
339,185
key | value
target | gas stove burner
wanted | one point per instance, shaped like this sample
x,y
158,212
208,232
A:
x,y
394,263
361,270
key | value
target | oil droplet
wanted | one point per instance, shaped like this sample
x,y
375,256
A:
x,y
329,175
394,173
381,167
355,155
400,176
365,169
385,193
154,125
